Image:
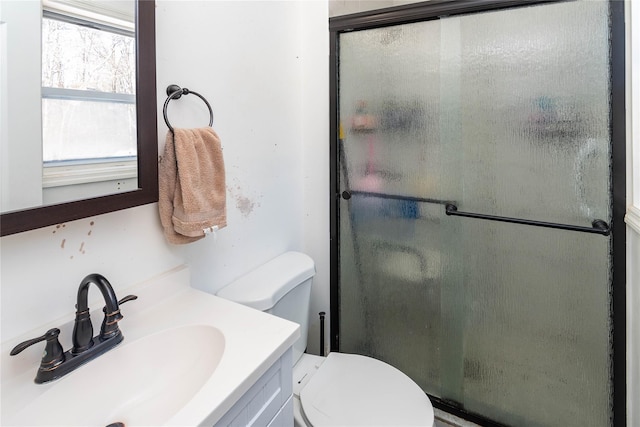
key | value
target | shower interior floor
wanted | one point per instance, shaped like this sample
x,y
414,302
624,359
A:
x,y
445,419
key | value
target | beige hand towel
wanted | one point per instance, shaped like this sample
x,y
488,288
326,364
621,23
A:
x,y
192,185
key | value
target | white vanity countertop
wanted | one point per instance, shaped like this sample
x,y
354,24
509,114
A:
x,y
253,341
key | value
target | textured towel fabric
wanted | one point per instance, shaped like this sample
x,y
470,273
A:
x,y
192,185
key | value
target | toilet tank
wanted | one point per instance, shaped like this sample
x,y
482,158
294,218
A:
x,y
281,287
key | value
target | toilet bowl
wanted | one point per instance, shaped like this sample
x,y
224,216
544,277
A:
x,y
340,389
354,390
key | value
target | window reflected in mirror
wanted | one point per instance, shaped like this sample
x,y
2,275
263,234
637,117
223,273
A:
x,y
72,130
89,138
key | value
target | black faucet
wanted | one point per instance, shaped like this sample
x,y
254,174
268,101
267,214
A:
x,y
82,328
57,363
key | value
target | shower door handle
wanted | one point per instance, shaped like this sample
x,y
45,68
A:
x,y
598,226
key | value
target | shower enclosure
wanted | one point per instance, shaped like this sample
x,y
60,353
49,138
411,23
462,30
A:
x,y
475,157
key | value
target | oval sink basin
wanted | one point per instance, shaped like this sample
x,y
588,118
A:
x,y
144,382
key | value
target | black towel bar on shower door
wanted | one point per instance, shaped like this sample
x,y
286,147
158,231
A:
x,y
348,193
175,92
598,226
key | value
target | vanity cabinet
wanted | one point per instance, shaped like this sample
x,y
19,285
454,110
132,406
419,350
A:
x,y
268,402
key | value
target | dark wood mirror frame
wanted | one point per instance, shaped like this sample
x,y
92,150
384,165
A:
x,y
147,192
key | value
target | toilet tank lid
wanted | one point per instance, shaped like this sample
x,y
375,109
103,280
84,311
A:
x,y
263,287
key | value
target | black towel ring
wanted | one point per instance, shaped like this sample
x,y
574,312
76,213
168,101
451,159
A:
x,y
175,92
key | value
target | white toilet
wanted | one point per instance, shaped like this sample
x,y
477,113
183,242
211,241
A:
x,y
340,389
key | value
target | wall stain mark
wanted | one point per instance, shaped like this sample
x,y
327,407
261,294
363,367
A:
x,y
243,203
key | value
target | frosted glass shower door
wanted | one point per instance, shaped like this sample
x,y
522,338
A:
x,y
502,114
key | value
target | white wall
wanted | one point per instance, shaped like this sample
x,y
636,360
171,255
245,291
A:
x,y
260,65
244,57
315,159
263,67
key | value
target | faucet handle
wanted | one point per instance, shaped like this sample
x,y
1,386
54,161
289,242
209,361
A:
x,y
53,353
110,321
122,301
127,298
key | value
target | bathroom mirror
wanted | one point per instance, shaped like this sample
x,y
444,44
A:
x,y
144,146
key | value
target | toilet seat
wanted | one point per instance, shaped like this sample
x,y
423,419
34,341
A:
x,y
352,390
